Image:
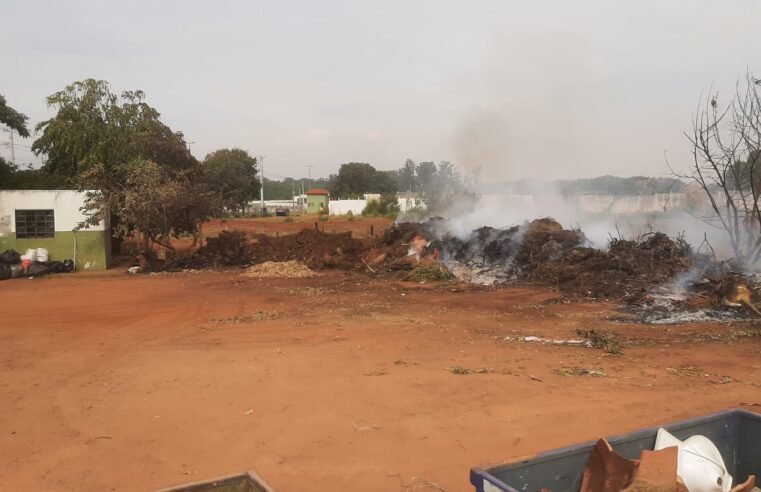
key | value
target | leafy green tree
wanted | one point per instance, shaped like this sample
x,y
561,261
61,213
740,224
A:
x,y
13,119
94,126
96,133
440,186
232,174
14,178
425,176
406,176
356,178
161,204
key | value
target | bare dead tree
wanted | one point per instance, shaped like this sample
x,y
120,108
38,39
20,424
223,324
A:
x,y
726,145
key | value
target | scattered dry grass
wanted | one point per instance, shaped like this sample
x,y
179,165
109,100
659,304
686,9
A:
x,y
580,371
252,317
429,273
602,340
464,370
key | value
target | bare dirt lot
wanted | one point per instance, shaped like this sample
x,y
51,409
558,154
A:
x,y
340,381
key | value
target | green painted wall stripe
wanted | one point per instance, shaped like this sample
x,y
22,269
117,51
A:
x,y
93,247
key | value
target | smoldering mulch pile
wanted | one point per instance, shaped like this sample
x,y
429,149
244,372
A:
x,y
501,255
537,251
543,251
280,269
628,270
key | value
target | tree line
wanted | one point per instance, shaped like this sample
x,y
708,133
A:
x,y
139,174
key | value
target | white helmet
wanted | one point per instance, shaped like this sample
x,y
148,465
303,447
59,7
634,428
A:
x,y
700,464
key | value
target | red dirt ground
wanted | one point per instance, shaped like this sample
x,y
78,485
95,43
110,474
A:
x,y
114,382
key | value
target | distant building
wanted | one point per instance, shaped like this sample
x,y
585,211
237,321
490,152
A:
x,y
318,200
408,200
31,219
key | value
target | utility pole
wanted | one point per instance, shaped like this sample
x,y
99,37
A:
x,y
309,168
13,149
261,170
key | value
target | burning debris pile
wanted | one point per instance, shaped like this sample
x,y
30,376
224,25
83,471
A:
x,y
543,251
627,270
660,278
700,295
500,255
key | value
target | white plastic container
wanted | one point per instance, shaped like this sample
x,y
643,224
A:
x,y
31,255
42,255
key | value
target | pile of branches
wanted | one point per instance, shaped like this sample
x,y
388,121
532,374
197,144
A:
x,y
627,270
537,251
543,251
519,249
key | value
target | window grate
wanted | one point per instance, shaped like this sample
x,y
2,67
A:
x,y
35,223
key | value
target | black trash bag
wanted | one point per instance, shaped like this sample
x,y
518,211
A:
x,y
37,269
68,265
5,271
10,256
17,270
57,267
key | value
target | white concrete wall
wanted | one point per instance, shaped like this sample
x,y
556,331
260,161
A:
x,y
65,203
342,207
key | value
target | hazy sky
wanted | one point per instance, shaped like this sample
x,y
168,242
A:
x,y
514,88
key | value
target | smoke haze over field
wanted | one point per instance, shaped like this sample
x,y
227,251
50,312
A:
x,y
507,89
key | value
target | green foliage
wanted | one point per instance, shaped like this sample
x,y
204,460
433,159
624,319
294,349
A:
x,y
416,214
13,119
14,178
288,220
232,174
323,218
98,140
95,127
387,205
439,186
406,176
160,204
288,187
358,178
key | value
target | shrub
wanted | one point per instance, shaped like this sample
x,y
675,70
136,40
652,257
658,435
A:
x,y
387,205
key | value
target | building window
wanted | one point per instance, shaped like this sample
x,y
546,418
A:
x,y
35,223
